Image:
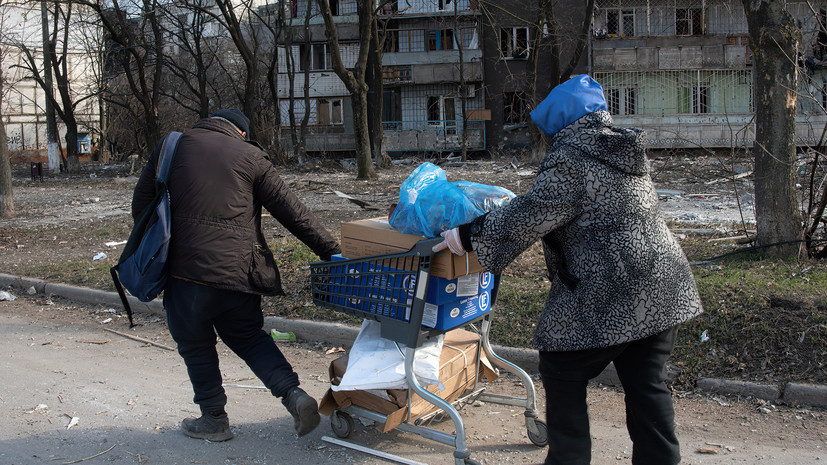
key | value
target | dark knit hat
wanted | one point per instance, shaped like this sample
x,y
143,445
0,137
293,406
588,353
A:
x,y
236,117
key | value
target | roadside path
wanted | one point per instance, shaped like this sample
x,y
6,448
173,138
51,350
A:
x,y
133,397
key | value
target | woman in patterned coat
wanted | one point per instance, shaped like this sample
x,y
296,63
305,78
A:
x,y
620,283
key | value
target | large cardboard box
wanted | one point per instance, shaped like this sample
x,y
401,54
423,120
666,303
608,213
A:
x,y
375,236
452,314
457,364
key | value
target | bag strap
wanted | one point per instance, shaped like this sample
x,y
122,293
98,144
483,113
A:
x,y
166,156
114,272
164,162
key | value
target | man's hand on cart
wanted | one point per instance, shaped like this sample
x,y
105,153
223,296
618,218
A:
x,y
451,242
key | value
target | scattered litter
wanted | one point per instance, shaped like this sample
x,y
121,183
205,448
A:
x,y
31,290
74,421
361,203
139,339
88,341
704,336
244,386
99,256
7,296
720,402
801,338
525,173
707,450
108,320
334,350
282,336
113,244
39,408
87,458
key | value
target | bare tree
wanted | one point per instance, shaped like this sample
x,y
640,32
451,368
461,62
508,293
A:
x,y
556,35
373,79
196,56
57,57
236,18
6,191
774,41
135,37
355,81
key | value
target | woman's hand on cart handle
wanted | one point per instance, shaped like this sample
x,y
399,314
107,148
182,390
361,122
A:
x,y
451,242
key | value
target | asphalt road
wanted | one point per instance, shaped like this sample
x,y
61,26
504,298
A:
x,y
57,363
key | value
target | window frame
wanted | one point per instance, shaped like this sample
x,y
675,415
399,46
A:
x,y
509,47
332,115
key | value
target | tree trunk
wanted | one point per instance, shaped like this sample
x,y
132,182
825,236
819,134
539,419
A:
x,y
375,104
360,123
774,40
6,194
355,80
72,161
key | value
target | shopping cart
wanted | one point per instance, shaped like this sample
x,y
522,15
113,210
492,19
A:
x,y
391,289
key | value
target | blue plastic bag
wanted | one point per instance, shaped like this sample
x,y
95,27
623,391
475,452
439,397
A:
x,y
429,204
484,196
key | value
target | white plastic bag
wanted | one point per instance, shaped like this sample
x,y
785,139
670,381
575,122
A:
x,y
376,363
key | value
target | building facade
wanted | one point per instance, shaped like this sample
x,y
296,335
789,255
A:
x,y
682,70
24,101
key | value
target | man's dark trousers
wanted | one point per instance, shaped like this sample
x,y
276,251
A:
x,y
196,312
650,416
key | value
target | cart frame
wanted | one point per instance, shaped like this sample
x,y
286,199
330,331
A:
x,y
380,287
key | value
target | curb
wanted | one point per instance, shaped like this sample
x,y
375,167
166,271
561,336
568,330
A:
x,y
793,394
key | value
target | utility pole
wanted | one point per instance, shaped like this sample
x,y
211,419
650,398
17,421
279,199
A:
x,y
51,123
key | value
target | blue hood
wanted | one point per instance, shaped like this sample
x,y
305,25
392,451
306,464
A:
x,y
567,103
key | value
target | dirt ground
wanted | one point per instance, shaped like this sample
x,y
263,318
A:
x,y
55,216
59,363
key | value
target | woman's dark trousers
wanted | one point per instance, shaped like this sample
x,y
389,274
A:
x,y
195,313
650,416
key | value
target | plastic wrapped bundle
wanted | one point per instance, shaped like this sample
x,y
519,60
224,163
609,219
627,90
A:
x,y
484,196
429,204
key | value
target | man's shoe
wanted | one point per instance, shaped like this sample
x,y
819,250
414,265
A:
x,y
304,409
210,427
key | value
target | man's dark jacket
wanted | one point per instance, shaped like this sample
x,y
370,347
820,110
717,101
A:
x,y
218,184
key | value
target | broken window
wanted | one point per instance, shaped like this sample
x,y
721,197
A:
x,y
433,111
515,110
323,112
688,21
318,57
392,108
336,112
334,7
693,99
628,17
514,42
613,22
449,115
619,22
440,39
328,112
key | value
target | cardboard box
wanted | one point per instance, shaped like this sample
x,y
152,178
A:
x,y
375,236
441,290
457,374
452,314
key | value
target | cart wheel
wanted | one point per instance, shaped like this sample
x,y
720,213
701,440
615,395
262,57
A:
x,y
541,438
471,462
342,423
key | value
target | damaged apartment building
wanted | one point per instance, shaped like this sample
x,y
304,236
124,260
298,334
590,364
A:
x,y
681,69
